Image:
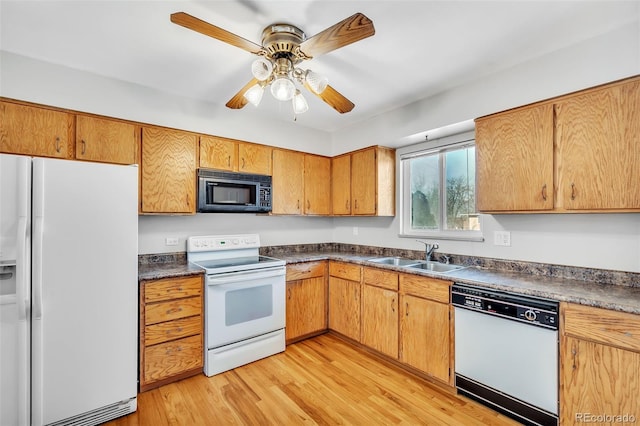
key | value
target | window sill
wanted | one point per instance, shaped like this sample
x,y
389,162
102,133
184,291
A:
x,y
445,236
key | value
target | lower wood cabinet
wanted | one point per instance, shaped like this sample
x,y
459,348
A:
x,y
425,326
171,330
345,292
599,365
306,300
380,311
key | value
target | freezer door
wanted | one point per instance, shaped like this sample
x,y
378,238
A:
x,y
85,291
15,284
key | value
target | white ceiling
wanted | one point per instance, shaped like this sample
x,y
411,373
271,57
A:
x,y
420,47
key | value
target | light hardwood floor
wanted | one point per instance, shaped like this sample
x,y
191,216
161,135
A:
x,y
323,381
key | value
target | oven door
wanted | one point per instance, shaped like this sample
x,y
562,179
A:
x,y
241,305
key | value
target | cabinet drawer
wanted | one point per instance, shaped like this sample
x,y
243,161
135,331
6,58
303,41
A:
x,y
175,309
428,288
381,278
172,330
345,271
604,326
302,271
172,288
168,359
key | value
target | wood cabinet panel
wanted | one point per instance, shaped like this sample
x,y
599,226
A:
x,y
598,142
218,153
172,330
288,182
172,288
597,379
363,182
425,287
168,169
172,358
254,158
344,307
317,180
380,320
341,185
515,160
380,278
345,270
301,271
425,336
174,309
110,141
306,307
35,131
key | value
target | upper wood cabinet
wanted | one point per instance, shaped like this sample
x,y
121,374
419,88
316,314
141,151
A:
x,y
254,158
598,142
35,131
594,165
168,168
317,183
599,362
514,162
109,141
371,174
288,182
218,153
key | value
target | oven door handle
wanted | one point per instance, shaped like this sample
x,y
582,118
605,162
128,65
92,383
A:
x,y
234,277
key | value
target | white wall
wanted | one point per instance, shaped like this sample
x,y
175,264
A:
x,y
609,241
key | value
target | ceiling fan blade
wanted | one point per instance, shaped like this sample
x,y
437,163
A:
x,y
202,27
350,30
334,98
239,101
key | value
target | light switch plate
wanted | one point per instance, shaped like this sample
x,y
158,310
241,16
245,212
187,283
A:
x,y
171,241
502,238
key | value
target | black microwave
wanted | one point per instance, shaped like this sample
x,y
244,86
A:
x,y
228,192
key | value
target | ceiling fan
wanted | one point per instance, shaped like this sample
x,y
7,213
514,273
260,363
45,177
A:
x,y
284,47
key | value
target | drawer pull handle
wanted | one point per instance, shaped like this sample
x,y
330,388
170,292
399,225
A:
x,y
573,191
544,192
406,308
84,146
57,144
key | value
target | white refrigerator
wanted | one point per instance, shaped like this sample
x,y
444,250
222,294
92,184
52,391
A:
x,y
68,291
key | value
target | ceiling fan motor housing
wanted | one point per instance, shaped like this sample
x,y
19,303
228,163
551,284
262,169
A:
x,y
283,41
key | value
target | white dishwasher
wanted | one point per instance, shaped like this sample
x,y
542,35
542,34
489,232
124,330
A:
x,y
506,352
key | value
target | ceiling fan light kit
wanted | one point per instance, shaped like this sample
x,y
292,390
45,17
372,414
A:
x,y
283,47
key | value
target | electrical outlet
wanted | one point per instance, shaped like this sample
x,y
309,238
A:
x,y
355,230
502,238
171,241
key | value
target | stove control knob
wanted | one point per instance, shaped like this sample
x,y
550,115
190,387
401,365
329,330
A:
x,y
530,315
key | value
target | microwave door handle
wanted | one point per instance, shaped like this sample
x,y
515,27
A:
x,y
236,277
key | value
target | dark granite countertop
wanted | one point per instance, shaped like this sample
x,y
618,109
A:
x,y
590,291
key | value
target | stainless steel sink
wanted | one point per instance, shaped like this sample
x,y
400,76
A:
x,y
395,261
436,267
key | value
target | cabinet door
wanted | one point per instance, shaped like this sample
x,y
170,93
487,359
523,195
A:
x,y
288,182
168,171
344,307
597,379
317,181
218,153
425,337
306,307
341,185
254,158
514,160
598,138
380,319
108,141
363,182
35,131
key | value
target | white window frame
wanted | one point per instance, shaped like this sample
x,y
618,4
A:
x,y
438,146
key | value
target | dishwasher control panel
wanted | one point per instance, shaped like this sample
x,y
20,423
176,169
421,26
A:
x,y
528,309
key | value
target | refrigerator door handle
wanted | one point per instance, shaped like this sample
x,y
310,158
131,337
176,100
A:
x,y
36,290
22,271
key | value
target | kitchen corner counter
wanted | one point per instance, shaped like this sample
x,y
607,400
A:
x,y
621,298
153,267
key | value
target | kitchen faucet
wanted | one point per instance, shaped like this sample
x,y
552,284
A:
x,y
428,250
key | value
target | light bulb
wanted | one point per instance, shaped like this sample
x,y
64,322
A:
x,y
299,103
254,94
283,88
316,81
261,69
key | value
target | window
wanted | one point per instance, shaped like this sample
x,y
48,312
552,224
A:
x,y
438,193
